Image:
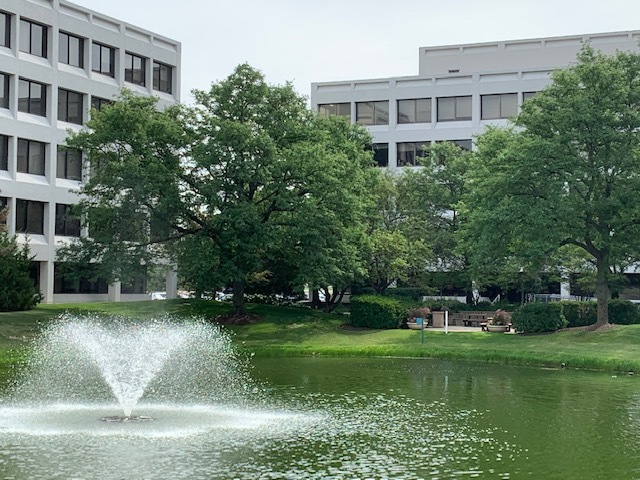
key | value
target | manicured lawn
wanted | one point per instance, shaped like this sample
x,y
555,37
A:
x,y
295,331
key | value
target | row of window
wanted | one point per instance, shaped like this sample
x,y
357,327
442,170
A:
x,y
32,98
71,48
30,218
418,110
408,153
31,158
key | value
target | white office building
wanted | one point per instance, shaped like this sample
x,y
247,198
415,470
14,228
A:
x,y
459,89
57,61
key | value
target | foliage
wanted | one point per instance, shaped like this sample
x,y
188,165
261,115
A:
x,y
428,199
17,289
539,318
419,312
570,169
623,312
246,177
441,304
374,311
501,317
579,314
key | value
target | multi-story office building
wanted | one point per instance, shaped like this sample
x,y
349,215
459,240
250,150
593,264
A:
x,y
459,89
57,61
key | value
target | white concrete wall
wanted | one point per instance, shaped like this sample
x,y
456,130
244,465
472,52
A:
x,y
92,26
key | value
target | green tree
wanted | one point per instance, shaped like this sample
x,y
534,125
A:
x,y
247,175
17,289
568,174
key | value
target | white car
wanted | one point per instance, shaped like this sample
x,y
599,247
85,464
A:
x,y
158,295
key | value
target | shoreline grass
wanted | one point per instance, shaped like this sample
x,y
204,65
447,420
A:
x,y
296,331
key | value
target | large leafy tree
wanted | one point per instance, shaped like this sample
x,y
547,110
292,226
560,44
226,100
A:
x,y
567,175
428,200
246,176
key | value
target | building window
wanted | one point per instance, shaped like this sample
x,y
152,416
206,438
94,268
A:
x,y
4,152
527,95
31,157
381,154
372,113
162,77
98,103
71,50
67,224
4,201
29,217
134,67
410,152
70,106
4,90
69,164
454,108
414,111
338,109
463,144
32,97
33,38
5,29
103,59
503,105
78,285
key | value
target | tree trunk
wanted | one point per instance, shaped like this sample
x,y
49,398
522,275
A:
x,y
239,308
603,293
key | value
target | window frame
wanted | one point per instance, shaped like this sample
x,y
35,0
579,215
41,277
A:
x,y
376,112
4,152
24,210
67,51
501,115
457,117
5,81
101,102
420,149
64,104
43,42
6,23
42,111
159,77
66,223
112,59
130,70
64,159
378,152
26,165
333,109
415,101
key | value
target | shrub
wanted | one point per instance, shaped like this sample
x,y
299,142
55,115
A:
x,y
501,317
623,312
375,311
419,312
579,314
17,289
539,317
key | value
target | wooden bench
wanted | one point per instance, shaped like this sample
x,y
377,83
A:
x,y
471,318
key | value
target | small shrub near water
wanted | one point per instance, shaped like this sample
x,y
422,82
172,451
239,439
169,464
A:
x,y
374,311
539,317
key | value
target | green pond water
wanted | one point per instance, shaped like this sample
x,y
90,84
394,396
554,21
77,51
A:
x,y
344,418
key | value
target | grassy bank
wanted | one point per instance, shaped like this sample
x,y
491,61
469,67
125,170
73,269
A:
x,y
292,331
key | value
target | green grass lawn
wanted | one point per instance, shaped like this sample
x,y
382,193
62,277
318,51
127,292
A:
x,y
296,331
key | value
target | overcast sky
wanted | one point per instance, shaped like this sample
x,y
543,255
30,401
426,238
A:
x,y
305,41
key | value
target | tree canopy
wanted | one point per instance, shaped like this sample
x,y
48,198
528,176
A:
x,y
566,175
247,176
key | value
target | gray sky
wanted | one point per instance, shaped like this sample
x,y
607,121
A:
x,y
306,41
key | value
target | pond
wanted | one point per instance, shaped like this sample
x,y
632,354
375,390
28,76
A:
x,y
345,418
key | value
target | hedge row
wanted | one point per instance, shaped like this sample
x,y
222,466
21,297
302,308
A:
x,y
374,311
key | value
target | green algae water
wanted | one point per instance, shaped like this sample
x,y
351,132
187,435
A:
x,y
348,418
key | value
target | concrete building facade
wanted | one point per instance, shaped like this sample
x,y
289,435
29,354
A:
x,y
459,89
57,62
